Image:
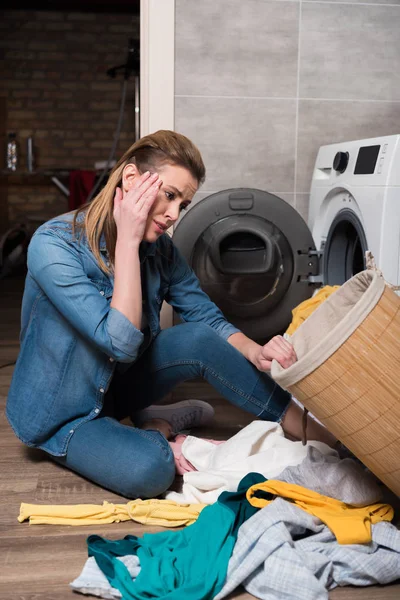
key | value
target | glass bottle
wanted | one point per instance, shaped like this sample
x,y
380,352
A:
x,y
12,152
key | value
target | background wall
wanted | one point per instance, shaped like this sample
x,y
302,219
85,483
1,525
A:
x,y
55,88
261,84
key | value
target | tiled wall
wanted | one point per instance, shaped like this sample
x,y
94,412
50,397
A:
x,y
261,84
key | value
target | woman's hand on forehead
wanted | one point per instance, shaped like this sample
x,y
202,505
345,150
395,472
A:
x,y
132,209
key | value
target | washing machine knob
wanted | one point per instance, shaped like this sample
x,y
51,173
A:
x,y
341,161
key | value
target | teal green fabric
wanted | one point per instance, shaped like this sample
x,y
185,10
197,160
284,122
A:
x,y
189,564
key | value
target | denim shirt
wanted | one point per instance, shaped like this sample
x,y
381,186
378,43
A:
x,y
71,339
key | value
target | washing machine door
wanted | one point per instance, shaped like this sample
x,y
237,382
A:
x,y
254,256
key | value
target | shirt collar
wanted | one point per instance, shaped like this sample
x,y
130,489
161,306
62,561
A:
x,y
147,249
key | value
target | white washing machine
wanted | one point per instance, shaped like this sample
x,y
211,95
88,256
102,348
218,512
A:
x,y
355,206
256,257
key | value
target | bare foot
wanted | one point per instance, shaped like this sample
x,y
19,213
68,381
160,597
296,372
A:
x,y
159,425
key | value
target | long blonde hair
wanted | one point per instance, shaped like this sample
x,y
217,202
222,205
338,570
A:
x,y
148,153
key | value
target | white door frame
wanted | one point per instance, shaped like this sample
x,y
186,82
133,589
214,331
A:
x,y
157,65
157,79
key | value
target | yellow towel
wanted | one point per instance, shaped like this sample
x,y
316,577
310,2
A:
x,y
304,310
148,512
350,525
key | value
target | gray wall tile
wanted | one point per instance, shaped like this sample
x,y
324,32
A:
x,y
327,122
236,48
244,142
302,205
395,2
350,51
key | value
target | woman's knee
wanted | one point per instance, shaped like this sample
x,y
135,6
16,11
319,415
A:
x,y
199,336
130,462
151,474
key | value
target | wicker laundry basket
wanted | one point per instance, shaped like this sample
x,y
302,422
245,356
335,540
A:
x,y
348,371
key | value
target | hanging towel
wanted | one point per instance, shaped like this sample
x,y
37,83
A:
x,y
80,185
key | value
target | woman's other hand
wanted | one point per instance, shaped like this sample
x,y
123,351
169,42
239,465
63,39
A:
x,y
277,349
132,209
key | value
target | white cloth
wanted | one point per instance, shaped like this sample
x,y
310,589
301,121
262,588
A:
x,y
93,582
260,447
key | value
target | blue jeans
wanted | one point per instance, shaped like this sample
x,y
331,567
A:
x,y
140,464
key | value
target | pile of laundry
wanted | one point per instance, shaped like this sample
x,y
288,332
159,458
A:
x,y
278,518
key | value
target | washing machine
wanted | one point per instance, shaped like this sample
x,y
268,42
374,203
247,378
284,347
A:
x,y
257,258
355,206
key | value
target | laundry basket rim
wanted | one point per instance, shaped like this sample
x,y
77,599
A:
x,y
343,329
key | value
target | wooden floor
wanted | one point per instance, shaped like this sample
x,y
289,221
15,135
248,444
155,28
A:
x,y
38,562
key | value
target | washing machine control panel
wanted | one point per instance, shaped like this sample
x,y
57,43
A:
x,y
367,158
364,162
341,161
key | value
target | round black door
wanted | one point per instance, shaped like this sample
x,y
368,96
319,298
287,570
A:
x,y
254,256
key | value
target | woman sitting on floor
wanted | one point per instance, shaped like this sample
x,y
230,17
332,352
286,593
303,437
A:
x,y
92,352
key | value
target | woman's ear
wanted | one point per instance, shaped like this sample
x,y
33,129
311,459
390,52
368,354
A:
x,y
129,175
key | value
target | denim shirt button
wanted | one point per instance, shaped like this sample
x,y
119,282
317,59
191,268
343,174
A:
x,y
97,410
102,292
111,359
102,390
71,431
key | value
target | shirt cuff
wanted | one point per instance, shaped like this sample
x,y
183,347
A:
x,y
125,337
228,330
